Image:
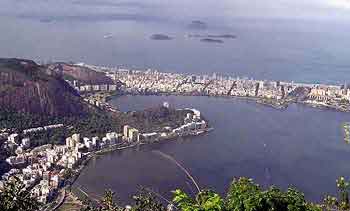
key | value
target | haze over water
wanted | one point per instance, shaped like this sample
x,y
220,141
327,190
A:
x,y
275,39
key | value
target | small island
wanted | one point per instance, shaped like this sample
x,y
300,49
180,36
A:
x,y
160,37
223,36
197,24
220,36
210,40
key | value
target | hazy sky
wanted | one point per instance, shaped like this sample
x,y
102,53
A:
x,y
181,9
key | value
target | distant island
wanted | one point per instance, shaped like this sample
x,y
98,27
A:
x,y
160,37
220,36
46,20
210,40
197,24
224,36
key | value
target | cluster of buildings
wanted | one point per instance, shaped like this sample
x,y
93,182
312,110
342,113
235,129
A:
x,y
99,100
40,129
193,124
154,82
43,169
157,82
96,88
327,93
82,87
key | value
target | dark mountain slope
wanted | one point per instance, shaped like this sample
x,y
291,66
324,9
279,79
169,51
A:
x,y
82,74
29,88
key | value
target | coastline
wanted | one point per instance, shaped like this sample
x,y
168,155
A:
x,y
261,101
109,96
93,155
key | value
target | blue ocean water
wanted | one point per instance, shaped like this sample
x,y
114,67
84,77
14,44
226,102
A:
x,y
303,51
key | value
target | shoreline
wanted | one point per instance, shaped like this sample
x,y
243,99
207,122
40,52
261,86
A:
x,y
260,101
78,170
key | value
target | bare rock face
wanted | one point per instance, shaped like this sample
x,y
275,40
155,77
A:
x,y
82,74
28,87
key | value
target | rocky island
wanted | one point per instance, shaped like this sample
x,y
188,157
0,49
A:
x,y
210,40
160,37
221,36
198,25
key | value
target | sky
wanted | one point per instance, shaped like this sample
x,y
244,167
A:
x,y
181,9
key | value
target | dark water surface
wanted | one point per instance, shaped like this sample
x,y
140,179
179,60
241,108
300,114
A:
x,y
300,146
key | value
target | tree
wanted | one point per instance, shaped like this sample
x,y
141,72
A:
x,y
245,195
106,204
342,202
146,201
205,200
15,197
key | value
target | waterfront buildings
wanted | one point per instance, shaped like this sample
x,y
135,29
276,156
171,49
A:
x,y
43,169
131,134
275,93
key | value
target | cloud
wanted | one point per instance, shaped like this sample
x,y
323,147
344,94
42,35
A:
x,y
91,17
341,4
178,11
135,4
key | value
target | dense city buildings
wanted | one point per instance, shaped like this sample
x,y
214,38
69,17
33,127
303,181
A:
x,y
45,169
274,93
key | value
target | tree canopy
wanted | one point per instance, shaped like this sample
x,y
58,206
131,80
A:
x,y
15,197
243,195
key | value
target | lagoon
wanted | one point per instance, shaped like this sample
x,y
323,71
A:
x,y
300,146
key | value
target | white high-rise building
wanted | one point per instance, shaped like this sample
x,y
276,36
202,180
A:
x,y
126,131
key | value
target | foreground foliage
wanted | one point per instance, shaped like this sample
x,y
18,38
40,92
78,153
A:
x,y
15,197
243,195
144,201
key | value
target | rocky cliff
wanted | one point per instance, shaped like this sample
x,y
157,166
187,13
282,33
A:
x,y
81,74
31,88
